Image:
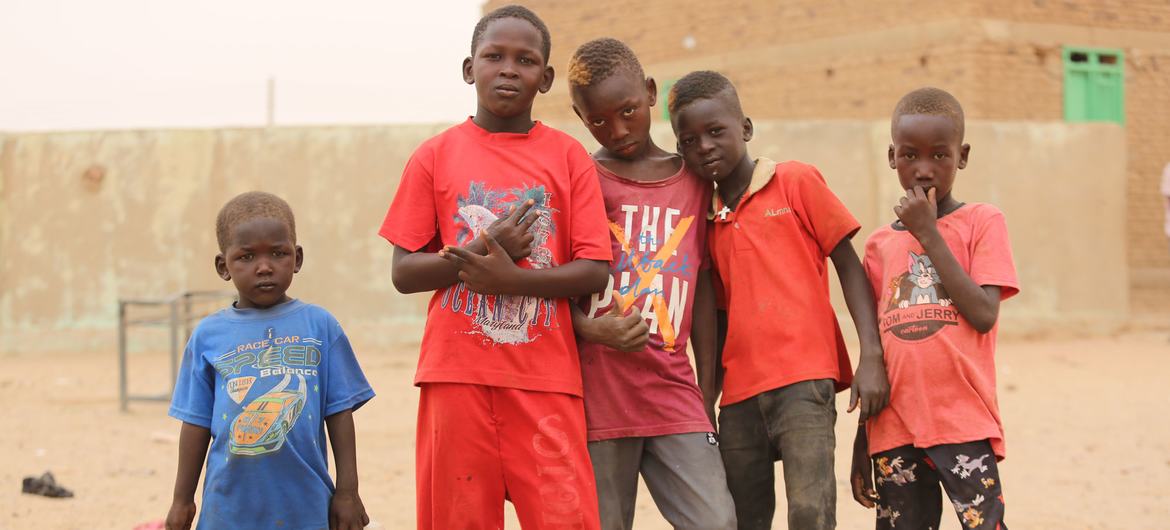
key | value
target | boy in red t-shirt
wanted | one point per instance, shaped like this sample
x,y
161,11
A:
x,y
643,410
939,274
784,357
502,218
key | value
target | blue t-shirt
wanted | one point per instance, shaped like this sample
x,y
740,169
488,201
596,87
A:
x,y
262,381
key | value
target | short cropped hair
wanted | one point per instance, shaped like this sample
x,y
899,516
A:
x,y
930,101
513,11
703,84
599,59
252,205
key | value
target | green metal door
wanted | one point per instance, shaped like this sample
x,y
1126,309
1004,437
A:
x,y
1094,85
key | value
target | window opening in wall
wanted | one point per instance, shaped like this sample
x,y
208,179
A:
x,y
1094,84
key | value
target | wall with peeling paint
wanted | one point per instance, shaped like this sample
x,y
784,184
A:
x,y
87,218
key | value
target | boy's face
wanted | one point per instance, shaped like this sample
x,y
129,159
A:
x,y
617,112
260,260
712,136
927,152
508,68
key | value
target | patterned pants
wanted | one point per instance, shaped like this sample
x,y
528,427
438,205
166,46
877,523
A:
x,y
907,481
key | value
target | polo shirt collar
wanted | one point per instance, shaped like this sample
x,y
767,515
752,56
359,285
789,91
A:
x,y
765,170
763,173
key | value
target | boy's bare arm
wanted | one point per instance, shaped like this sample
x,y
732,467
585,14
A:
x,y
193,441
346,511
495,273
415,272
918,211
703,343
870,384
861,471
720,343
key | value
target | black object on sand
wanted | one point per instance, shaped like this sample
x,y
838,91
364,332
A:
x,y
44,485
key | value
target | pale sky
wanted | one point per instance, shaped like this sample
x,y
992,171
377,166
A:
x,y
118,64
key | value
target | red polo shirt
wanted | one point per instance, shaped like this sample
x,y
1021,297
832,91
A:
x,y
771,257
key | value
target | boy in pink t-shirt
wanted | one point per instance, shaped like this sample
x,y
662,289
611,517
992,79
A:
x,y
939,274
643,411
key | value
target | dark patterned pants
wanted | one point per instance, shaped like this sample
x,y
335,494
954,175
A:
x,y
907,481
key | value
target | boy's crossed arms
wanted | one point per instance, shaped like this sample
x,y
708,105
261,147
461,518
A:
x,y
487,264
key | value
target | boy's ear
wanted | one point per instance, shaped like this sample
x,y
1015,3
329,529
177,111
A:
x,y
652,90
964,152
578,112
893,165
221,267
748,129
300,260
467,77
546,79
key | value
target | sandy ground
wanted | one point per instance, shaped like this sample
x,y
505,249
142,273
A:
x,y
1088,444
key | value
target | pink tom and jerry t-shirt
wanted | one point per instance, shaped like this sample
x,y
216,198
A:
x,y
942,371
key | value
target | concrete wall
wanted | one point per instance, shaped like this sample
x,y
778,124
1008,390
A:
x,y
853,59
90,217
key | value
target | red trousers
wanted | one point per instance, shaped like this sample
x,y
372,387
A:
x,y
479,445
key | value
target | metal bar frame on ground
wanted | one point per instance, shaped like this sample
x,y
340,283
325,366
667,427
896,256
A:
x,y
179,316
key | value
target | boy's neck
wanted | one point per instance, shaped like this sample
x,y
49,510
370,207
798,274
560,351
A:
x,y
520,123
732,188
947,205
244,303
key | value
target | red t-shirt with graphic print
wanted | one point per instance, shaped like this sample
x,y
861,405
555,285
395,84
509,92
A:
x,y
942,371
771,254
454,186
659,234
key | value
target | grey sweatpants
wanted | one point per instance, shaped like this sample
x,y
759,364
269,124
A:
x,y
684,473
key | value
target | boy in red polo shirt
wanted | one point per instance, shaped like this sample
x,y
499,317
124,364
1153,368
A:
x,y
939,273
518,212
784,357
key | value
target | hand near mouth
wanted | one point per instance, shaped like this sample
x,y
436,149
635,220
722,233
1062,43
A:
x,y
918,211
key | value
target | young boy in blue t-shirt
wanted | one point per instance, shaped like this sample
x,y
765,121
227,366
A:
x,y
259,381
